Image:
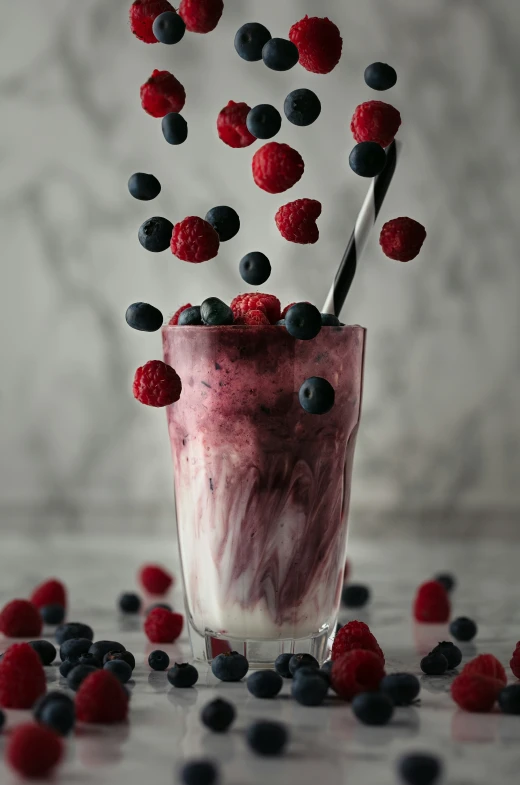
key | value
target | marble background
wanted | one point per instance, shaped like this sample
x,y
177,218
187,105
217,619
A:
x,y
441,431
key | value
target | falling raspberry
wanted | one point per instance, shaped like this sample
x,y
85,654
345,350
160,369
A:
x,y
296,221
201,16
157,384
258,301
194,240
175,318
319,44
232,127
375,121
402,239
277,167
162,94
155,579
143,14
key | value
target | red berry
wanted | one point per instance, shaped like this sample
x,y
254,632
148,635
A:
x,y
486,665
515,661
175,318
319,44
473,692
33,750
162,94
20,619
142,16
201,16
286,309
432,603
194,240
296,221
375,121
22,678
162,626
253,319
101,699
155,579
257,301
157,384
356,671
355,635
51,592
402,239
277,167
231,125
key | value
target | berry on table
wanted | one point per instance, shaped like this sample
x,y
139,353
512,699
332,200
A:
x,y
447,580
143,13
380,76
52,615
101,699
232,125
419,769
183,675
175,320
309,689
257,301
73,648
267,738
156,384
89,659
402,239
190,317
355,595
319,44
174,128
20,619
304,660
250,40
463,629
130,602
194,240
162,93
51,592
199,772
373,708
317,395
434,664
158,660
264,121
282,665
279,54
201,16
56,711
155,234
375,121
302,107
66,667
264,684
144,187
162,626
357,671
33,750
154,578
367,159
218,715
73,630
277,167
148,319
253,319
326,670
514,663
225,221
164,605
22,678
475,693
486,665
169,28
255,268
45,651
78,674
432,604
509,699
2,719
401,688
120,669
329,320
452,653
355,635
126,656
230,666
215,312
303,321
296,221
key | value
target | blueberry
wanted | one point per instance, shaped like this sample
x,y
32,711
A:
x,y
169,27
215,313
401,688
452,653
52,614
302,660
73,648
120,669
100,648
282,665
380,76
89,659
225,222
280,323
146,318
53,695
183,675
218,715
373,708
73,629
326,670
250,40
509,699
126,656
264,121
447,580
355,595
265,684
155,234
434,664
420,769
230,666
158,660
463,629
267,738
280,54
309,690
303,321
78,674
2,719
329,320
302,107
45,651
129,602
367,159
174,128
199,772
66,667
317,395
159,605
144,187
310,670
255,268
59,715
190,317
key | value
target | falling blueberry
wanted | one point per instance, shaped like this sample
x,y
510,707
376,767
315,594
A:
x,y
52,614
302,107
267,738
264,684
148,319
169,28
317,395
215,313
264,121
355,595
144,187
373,708
380,76
303,321
174,128
218,715
255,268
225,221
420,769
155,234
250,40
367,159
183,675
280,54
463,629
190,317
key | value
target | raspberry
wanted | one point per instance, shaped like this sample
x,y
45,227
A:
x,y
277,167
33,750
356,671
52,592
162,94
20,619
231,125
253,319
473,692
486,665
432,603
194,240
355,635
162,626
286,309
402,238
258,301
155,579
101,699
157,384
375,121
514,664
175,318
142,16
201,16
319,44
297,221
22,678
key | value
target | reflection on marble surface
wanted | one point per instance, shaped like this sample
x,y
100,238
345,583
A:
x,y
441,425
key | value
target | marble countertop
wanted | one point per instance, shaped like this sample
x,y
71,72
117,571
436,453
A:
x,y
327,743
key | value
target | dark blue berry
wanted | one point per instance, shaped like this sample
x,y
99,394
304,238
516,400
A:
x,y
155,234
280,323
302,107
174,128
250,40
265,684
463,629
2,719
434,664
66,667
169,27
326,670
264,121
329,320
373,708
401,688
214,312
310,670
509,699
78,675
303,321
317,395
190,317
45,651
199,772
59,715
126,656
73,648
53,695
267,738
89,659
120,669
282,665
309,689
158,660
230,666
447,580
380,76
280,54
183,675
72,630
225,222
367,159
159,605
144,317
52,614
420,769
355,595
100,648
129,602
302,661
452,653
218,715
144,187
255,268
